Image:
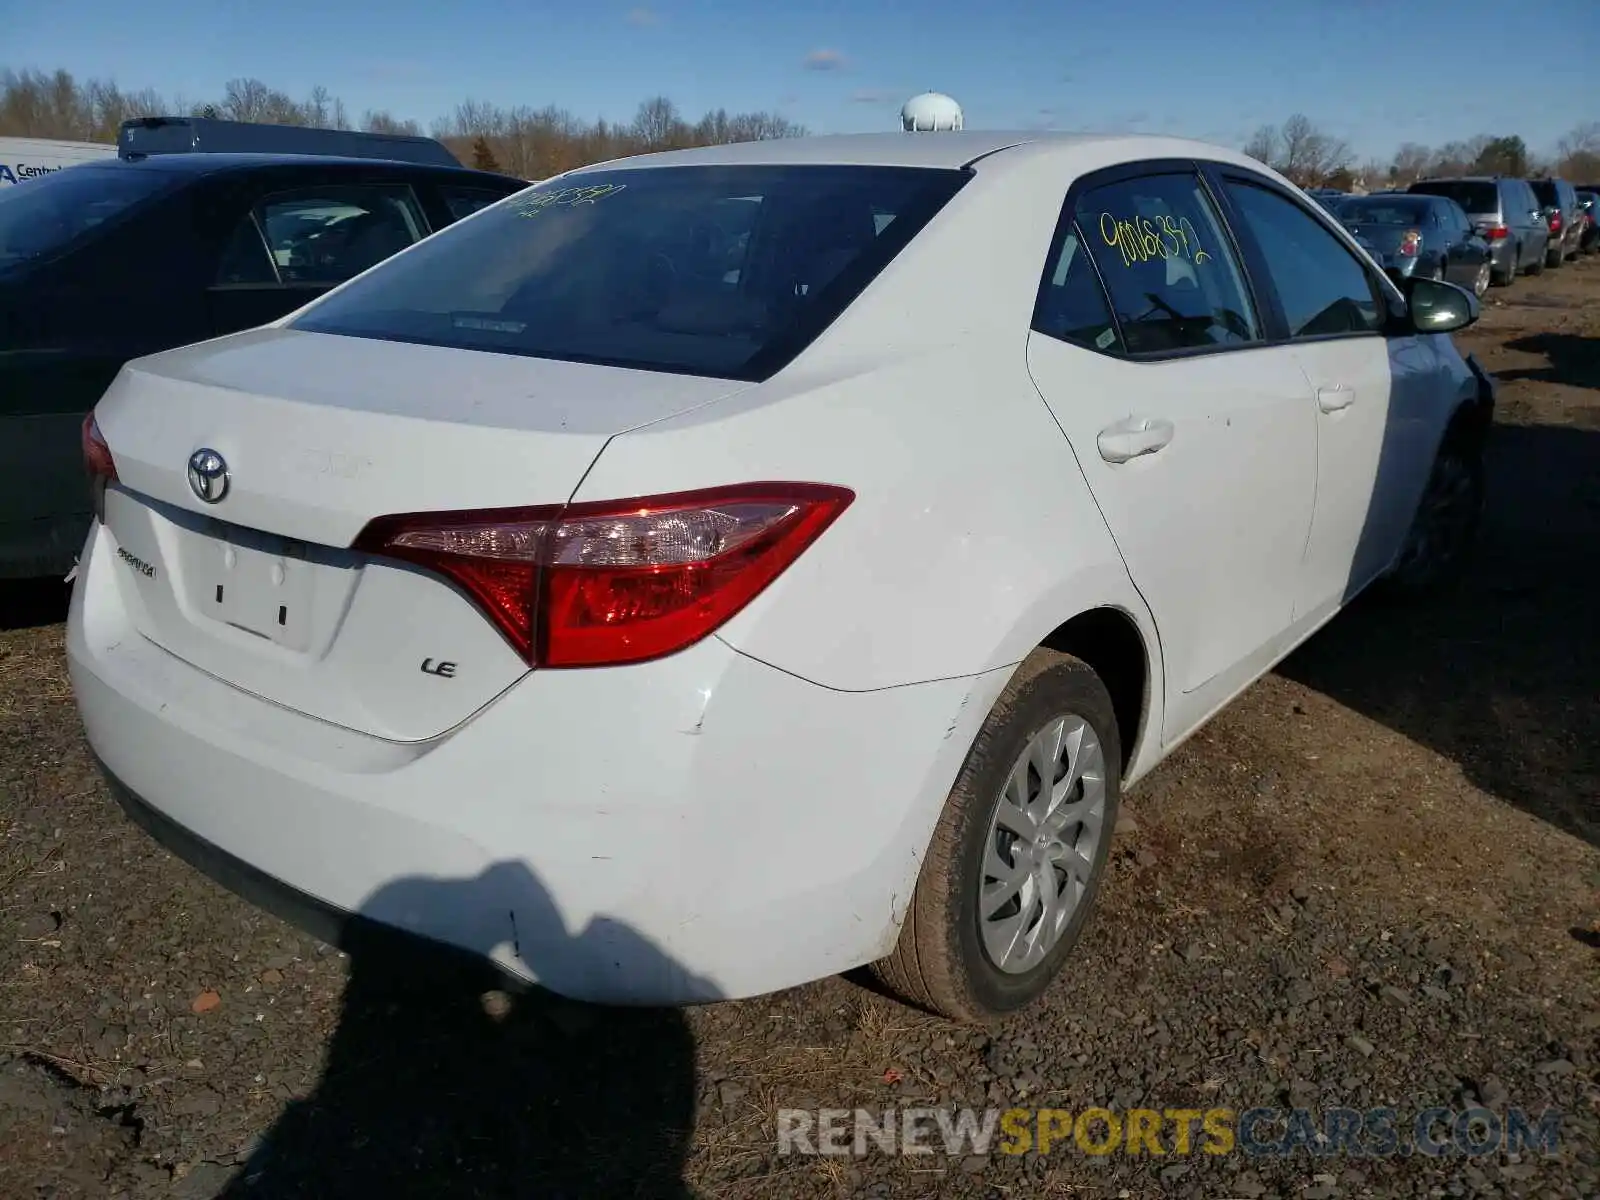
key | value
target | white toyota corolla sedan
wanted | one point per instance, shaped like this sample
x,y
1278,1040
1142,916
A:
x,y
710,571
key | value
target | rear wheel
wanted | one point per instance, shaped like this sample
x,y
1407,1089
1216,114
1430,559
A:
x,y
1480,281
1508,275
1536,267
1554,255
1016,860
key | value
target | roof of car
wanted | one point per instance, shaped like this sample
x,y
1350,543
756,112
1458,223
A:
x,y
200,163
947,148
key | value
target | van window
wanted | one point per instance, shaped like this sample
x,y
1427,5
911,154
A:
x,y
721,271
1474,195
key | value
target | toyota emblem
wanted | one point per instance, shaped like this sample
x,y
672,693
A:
x,y
208,474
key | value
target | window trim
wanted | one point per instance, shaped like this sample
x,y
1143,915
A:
x,y
266,249
253,215
1067,218
1392,308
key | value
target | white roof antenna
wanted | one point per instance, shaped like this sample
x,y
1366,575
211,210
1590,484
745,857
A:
x,y
928,112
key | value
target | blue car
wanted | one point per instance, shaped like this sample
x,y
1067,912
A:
x,y
1415,236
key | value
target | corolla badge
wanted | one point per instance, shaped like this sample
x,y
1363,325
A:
x,y
208,475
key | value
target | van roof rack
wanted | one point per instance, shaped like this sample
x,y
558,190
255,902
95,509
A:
x,y
141,136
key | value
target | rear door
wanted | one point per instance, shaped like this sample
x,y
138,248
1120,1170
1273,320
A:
x,y
1196,436
285,246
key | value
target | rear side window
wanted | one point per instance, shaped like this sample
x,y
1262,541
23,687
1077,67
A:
x,y
41,216
1171,275
721,271
321,236
1322,286
1453,218
1387,210
1072,306
1476,196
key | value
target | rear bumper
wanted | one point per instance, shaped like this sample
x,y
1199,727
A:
x,y
698,828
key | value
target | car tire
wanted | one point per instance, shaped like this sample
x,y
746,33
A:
x,y
1482,280
1555,257
1508,276
945,960
1536,267
1444,530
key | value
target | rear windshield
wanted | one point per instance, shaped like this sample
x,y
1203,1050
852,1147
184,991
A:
x,y
1388,210
721,271
1545,190
46,214
1476,196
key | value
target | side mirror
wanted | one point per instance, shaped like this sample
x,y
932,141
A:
x,y
1439,307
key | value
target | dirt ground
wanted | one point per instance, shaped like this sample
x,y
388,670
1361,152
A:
x,y
1374,881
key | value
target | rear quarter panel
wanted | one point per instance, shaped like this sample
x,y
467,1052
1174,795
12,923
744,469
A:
x,y
973,534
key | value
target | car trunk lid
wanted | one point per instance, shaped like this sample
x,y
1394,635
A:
x,y
320,434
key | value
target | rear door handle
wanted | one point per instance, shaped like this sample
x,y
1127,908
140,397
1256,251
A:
x,y
1133,437
1334,399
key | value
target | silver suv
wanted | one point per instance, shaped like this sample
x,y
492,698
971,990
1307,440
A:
x,y
1508,215
1563,213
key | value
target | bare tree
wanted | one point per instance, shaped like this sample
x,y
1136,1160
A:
x,y
1300,151
1411,163
1263,145
657,125
382,121
1578,153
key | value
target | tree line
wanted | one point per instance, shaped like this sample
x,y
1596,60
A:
x,y
1313,157
535,143
525,142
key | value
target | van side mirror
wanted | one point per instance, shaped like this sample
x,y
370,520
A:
x,y
1439,307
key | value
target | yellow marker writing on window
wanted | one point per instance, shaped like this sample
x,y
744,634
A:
x,y
1144,239
537,203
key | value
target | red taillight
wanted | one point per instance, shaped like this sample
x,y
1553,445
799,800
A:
x,y
615,582
1410,243
1555,222
1496,233
99,464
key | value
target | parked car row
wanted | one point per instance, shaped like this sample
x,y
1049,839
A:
x,y
1477,231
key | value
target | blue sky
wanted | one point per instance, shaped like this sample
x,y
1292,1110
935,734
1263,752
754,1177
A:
x,y
1375,72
